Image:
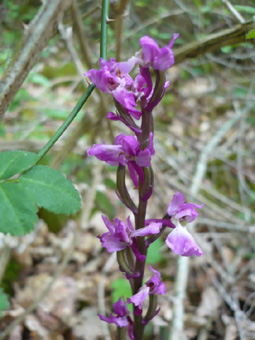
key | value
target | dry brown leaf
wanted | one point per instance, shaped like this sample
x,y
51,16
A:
x,y
210,303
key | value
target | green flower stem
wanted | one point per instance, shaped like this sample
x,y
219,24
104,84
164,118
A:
x,y
121,333
84,98
66,123
104,26
140,266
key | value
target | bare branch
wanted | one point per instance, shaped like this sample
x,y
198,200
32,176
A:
x,y
39,33
228,37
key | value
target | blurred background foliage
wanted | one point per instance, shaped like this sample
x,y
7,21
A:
x,y
204,94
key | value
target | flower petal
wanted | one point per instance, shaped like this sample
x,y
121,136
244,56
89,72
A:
x,y
118,320
164,59
107,153
112,242
152,229
181,242
150,49
139,297
177,201
143,158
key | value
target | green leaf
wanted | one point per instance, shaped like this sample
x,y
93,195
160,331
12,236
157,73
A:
x,y
247,9
227,49
104,204
17,209
154,255
4,303
51,190
38,78
109,183
55,113
251,34
121,288
13,162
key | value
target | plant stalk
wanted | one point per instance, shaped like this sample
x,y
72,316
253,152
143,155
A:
x,y
66,123
84,98
104,26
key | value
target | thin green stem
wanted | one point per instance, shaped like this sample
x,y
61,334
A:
x,y
84,98
104,26
66,123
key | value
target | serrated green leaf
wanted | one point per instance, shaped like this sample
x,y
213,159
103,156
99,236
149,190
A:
x,y
251,34
51,190
13,162
17,209
4,303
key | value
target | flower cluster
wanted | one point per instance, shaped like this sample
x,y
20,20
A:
x,y
134,99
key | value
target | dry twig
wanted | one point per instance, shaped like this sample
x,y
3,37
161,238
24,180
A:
x,y
37,37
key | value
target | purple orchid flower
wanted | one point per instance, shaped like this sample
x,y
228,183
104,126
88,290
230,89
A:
x,y
151,55
158,58
120,317
109,77
182,211
180,241
154,286
121,235
121,311
113,79
126,151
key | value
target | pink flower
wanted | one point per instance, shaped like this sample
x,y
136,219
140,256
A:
x,y
113,79
179,210
180,241
124,150
154,286
158,58
120,317
121,235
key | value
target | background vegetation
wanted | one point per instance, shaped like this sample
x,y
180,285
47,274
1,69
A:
x,y
205,147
